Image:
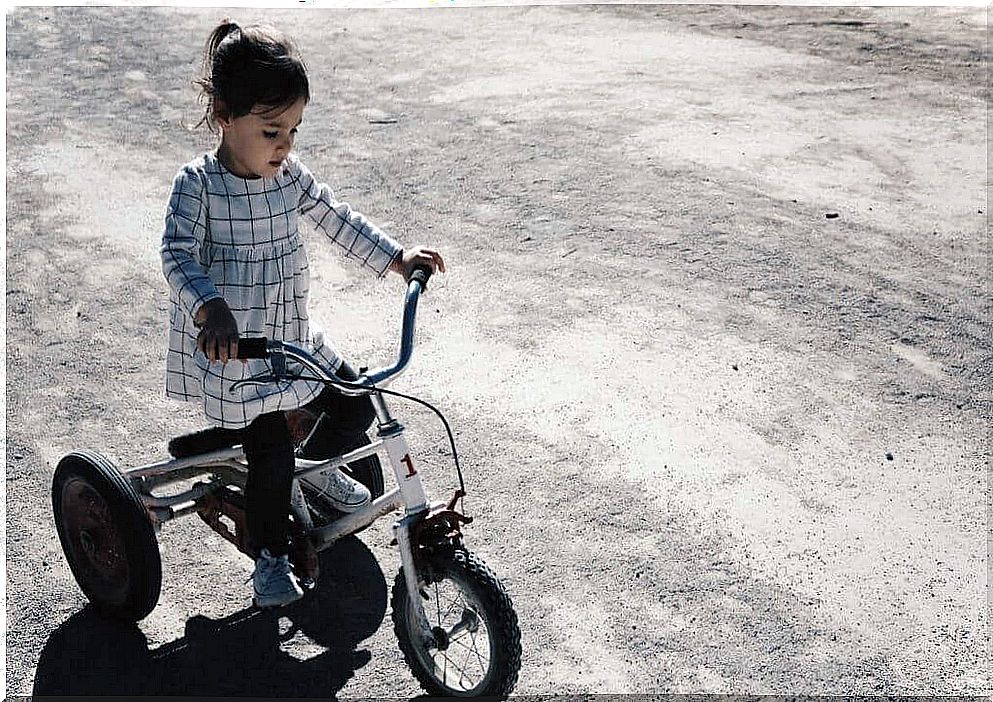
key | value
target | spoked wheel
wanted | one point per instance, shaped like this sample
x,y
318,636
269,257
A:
x,y
107,536
477,643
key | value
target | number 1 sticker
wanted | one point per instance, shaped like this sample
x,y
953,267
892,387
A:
x,y
406,460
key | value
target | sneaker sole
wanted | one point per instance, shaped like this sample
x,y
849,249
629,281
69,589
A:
x,y
276,600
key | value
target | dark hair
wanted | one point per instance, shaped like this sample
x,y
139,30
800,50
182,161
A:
x,y
248,66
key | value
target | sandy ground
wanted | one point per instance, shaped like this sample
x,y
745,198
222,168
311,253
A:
x,y
717,439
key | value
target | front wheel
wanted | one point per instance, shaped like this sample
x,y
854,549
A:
x,y
476,649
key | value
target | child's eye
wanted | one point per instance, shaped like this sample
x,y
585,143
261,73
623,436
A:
x,y
270,135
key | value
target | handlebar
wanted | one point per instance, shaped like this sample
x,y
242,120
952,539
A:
x,y
281,351
252,348
421,274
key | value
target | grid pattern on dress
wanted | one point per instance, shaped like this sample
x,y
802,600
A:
x,y
238,238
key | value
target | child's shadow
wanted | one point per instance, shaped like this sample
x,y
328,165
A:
x,y
247,654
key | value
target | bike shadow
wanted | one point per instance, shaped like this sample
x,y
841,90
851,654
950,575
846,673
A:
x,y
249,653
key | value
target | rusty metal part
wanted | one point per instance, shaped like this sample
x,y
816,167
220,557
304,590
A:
x,y
303,556
301,423
95,540
441,527
225,502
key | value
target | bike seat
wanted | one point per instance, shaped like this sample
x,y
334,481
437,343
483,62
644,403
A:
x,y
204,441
300,423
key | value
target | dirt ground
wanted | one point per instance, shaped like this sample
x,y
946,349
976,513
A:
x,y
714,339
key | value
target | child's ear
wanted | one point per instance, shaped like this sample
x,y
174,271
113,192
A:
x,y
221,114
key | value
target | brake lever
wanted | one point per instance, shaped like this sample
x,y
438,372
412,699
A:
x,y
266,379
278,363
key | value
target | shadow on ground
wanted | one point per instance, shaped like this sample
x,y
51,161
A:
x,y
308,649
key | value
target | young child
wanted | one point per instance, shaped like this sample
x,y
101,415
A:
x,y
235,263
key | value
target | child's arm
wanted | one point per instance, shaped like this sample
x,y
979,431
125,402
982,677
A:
x,y
360,239
185,231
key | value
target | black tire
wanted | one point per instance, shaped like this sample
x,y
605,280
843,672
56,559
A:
x,y
107,536
484,599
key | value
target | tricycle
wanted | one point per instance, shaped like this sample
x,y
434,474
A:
x,y
454,621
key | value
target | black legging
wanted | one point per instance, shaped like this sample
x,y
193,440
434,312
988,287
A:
x,y
269,448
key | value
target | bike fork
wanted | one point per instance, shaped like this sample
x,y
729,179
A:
x,y
416,502
401,531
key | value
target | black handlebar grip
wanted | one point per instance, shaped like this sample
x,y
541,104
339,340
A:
x,y
421,275
253,348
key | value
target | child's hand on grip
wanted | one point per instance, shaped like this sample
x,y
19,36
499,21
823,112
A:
x,y
218,338
418,256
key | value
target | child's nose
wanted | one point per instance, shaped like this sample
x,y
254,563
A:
x,y
285,145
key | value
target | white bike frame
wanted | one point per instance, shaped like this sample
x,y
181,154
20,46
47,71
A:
x,y
229,466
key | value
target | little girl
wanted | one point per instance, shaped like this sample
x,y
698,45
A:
x,y
235,263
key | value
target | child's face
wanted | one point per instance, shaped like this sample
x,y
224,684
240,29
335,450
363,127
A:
x,y
254,145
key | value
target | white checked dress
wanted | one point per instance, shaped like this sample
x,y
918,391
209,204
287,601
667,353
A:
x,y
237,238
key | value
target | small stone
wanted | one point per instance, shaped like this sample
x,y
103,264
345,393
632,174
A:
x,y
889,456
831,215
734,366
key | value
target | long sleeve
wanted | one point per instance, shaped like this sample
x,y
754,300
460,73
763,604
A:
x,y
185,231
359,238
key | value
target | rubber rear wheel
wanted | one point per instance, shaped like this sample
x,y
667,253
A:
x,y
477,642
107,536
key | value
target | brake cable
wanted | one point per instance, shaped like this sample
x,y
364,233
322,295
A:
x,y
383,391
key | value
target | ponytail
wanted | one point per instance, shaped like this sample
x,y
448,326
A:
x,y
219,34
245,67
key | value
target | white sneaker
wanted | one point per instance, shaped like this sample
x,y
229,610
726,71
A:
x,y
275,583
344,493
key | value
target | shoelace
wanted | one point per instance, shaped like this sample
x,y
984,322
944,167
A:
x,y
344,485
